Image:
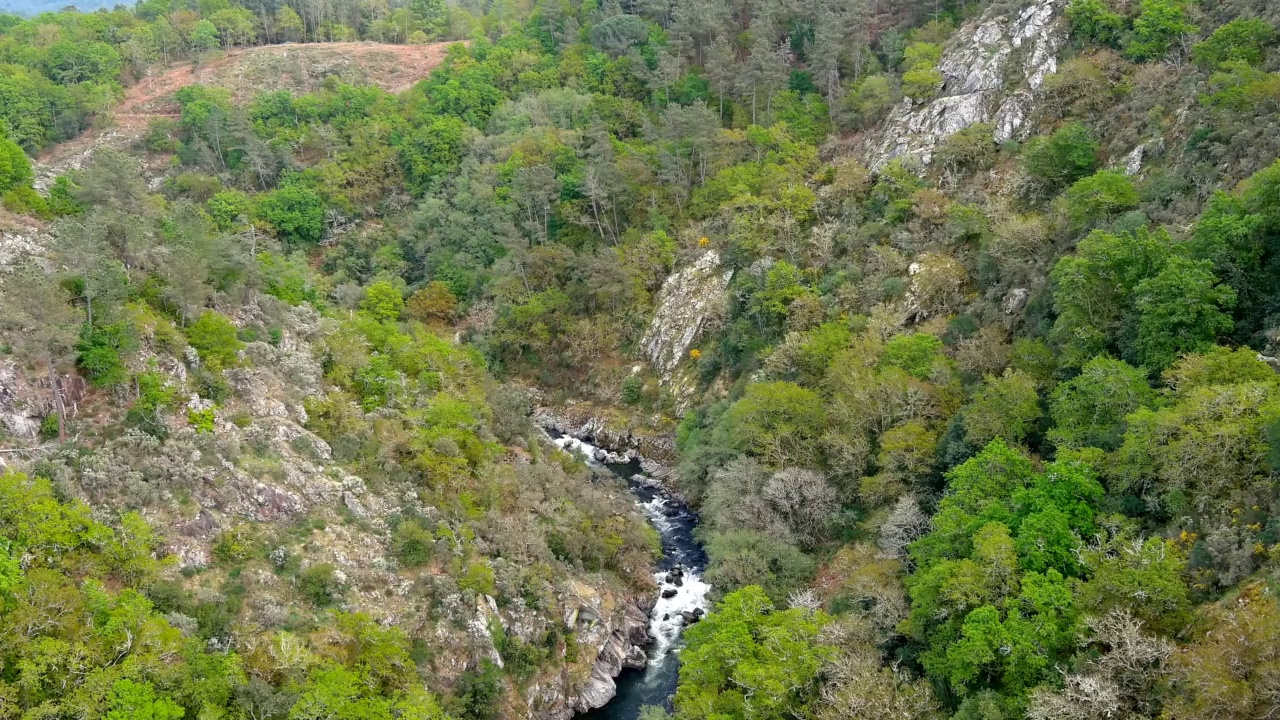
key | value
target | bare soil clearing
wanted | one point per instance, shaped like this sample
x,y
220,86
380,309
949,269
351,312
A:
x,y
300,67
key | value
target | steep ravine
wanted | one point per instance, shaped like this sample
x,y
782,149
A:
x,y
682,593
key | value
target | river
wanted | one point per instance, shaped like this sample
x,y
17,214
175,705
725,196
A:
x,y
675,522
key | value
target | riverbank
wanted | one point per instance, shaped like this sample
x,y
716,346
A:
x,y
682,594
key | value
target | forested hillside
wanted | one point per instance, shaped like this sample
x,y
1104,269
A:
x,y
957,322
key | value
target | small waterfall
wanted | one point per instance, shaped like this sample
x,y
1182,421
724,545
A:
x,y
679,578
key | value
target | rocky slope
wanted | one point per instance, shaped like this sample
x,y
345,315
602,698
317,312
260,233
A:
x,y
992,70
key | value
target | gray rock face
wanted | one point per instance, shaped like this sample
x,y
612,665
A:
x,y
688,299
977,68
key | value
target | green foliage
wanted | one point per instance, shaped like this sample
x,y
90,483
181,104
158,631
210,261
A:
x,y
99,353
433,150
1006,407
991,602
1095,292
1094,200
1180,310
740,558
296,212
1064,157
214,337
915,353
1242,39
632,389
479,692
320,584
202,420
412,543
1090,409
1160,23
778,422
749,660
15,168
383,302
131,700
1094,20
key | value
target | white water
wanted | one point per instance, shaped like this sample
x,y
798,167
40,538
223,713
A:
x,y
675,523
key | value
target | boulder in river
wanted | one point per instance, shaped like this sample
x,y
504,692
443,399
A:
x,y
669,592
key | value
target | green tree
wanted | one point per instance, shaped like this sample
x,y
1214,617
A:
x,y
1094,291
1005,407
1242,39
1180,310
296,211
1089,410
1160,24
15,167
749,660
431,151
778,422
130,700
204,36
383,301
214,337
1098,198
915,354
1094,20
1064,157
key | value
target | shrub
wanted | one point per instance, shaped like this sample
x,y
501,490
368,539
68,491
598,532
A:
x,y
914,354
320,584
478,578
1064,157
1241,39
383,301
1094,20
15,168
411,543
98,353
632,389
215,338
435,302
1160,23
201,420
1098,198
297,212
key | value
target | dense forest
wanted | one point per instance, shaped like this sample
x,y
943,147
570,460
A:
x,y
980,427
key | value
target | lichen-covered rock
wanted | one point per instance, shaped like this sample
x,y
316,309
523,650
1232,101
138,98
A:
x,y
687,300
991,70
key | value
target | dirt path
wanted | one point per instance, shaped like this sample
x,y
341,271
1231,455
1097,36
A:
x,y
246,72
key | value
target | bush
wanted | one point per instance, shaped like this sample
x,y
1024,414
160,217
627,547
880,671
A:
x,y
98,353
1160,23
1098,198
478,578
914,354
1093,20
320,584
411,543
215,338
201,420
15,168
383,301
1062,158
632,389
1241,39
435,302
297,212
479,692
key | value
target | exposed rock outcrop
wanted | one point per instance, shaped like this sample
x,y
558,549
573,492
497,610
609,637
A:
x,y
688,300
992,70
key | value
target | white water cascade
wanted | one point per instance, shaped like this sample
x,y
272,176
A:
x,y
682,593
